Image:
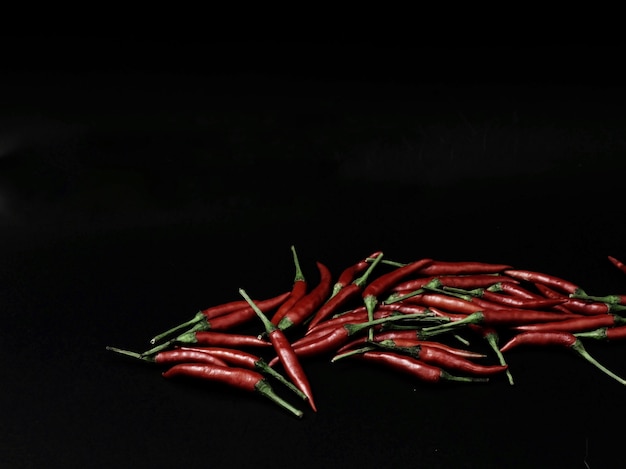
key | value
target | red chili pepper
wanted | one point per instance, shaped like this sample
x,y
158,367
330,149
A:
x,y
581,306
456,281
240,378
445,302
298,290
344,295
584,323
544,279
617,263
285,352
349,274
173,356
226,320
514,289
307,305
248,360
213,338
463,267
557,338
414,368
512,301
510,317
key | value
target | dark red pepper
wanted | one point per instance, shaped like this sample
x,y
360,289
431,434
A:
x,y
240,378
309,303
298,290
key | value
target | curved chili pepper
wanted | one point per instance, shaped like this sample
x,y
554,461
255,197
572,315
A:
x,y
204,321
557,338
463,267
285,352
240,378
173,356
513,288
415,368
544,279
309,302
243,359
584,323
439,300
214,338
349,273
344,295
298,290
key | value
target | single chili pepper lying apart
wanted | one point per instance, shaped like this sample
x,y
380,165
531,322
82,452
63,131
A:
x,y
213,338
285,352
173,356
298,290
243,359
413,367
309,303
617,263
557,338
240,378
226,319
344,295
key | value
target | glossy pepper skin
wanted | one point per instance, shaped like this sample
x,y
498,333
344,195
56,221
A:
x,y
309,303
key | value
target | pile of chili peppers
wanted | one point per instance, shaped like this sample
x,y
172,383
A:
x,y
407,317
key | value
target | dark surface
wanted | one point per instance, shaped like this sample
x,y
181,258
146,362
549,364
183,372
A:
x,y
138,185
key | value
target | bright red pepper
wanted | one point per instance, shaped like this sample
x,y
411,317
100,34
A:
x,y
298,290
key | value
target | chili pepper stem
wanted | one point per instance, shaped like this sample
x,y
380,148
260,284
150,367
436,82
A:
x,y
196,319
128,353
265,368
492,340
580,349
473,318
352,352
264,388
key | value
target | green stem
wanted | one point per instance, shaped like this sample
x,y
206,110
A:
x,y
265,368
299,277
597,334
196,319
363,278
264,388
474,318
267,324
388,262
448,377
609,299
396,298
188,337
580,349
492,340
350,353
128,353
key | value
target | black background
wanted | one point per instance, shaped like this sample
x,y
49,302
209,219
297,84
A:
x,y
145,177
